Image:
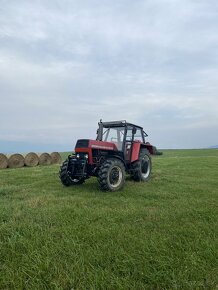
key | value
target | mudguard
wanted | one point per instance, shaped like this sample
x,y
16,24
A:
x,y
136,150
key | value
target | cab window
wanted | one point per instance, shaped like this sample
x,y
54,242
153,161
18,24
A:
x,y
138,135
114,135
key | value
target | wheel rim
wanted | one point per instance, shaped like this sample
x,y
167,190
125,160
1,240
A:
x,y
145,166
115,176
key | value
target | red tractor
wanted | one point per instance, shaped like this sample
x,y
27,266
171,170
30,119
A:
x,y
119,148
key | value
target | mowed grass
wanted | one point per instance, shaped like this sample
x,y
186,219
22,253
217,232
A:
x,y
157,235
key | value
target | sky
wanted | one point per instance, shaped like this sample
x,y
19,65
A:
x,y
64,65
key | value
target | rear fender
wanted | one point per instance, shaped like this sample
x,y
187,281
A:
x,y
150,148
136,147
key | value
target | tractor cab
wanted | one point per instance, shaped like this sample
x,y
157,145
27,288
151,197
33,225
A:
x,y
123,135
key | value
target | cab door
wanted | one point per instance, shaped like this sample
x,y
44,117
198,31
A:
x,y
133,135
128,143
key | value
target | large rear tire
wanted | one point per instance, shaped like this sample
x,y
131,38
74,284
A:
x,y
111,175
65,177
141,169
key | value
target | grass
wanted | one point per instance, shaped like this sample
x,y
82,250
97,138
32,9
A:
x,y
158,235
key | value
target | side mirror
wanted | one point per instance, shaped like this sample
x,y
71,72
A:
x,y
145,134
134,130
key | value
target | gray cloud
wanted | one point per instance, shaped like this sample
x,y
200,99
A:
x,y
66,64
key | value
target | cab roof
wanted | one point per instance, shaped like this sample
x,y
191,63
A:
x,y
121,123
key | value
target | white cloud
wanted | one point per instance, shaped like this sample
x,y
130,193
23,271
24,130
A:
x,y
64,65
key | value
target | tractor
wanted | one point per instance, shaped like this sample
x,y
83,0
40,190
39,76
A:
x,y
119,148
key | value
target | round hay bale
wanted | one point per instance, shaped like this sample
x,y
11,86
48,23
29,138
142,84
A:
x,y
44,159
31,159
16,161
3,161
55,158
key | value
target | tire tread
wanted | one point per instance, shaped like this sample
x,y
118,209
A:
x,y
136,166
103,171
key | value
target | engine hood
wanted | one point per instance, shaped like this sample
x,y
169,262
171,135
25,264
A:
x,y
95,144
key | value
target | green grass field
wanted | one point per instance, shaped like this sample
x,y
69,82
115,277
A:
x,y
157,235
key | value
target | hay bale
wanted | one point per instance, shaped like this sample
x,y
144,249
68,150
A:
x,y
44,159
3,161
55,158
31,159
16,161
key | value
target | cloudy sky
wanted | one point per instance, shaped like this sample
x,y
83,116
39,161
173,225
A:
x,y
66,64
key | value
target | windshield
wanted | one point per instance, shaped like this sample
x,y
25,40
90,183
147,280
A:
x,y
114,135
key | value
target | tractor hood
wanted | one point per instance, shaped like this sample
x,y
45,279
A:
x,y
95,144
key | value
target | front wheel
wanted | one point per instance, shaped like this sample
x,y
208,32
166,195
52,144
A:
x,y
141,169
65,175
111,175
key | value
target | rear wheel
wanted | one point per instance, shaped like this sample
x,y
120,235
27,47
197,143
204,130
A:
x,y
65,177
111,175
141,169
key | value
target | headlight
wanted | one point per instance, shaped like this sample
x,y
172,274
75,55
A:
x,y
77,155
86,156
